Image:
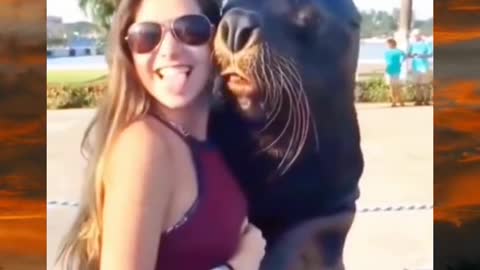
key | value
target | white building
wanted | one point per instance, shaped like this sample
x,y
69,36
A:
x,y
82,47
55,28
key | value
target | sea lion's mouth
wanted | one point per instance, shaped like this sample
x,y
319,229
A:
x,y
239,84
242,87
246,94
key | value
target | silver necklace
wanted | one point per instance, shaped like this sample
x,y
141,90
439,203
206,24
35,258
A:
x,y
180,128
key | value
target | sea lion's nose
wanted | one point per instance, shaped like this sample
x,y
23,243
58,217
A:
x,y
239,29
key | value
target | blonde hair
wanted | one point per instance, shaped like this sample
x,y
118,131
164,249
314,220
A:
x,y
124,102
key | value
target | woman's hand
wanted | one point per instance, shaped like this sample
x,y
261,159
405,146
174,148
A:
x,y
250,250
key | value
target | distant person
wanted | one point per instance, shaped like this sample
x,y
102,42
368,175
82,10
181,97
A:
x,y
394,58
420,52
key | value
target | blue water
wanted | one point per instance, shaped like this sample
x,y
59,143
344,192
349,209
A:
x,y
369,53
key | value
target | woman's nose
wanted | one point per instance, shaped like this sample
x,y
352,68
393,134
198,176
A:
x,y
170,46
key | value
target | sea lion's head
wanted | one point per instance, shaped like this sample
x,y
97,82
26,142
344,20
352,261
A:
x,y
281,59
271,50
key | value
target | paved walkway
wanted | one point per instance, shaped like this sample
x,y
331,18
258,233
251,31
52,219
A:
x,y
398,149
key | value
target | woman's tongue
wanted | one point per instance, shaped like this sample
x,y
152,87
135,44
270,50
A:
x,y
174,78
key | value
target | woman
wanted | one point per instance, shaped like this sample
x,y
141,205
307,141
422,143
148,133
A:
x,y
159,196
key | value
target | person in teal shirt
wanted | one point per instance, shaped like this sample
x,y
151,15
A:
x,y
394,59
420,52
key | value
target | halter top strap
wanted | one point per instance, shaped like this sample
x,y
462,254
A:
x,y
177,129
188,139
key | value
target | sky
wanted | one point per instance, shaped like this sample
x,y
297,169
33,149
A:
x,y
70,12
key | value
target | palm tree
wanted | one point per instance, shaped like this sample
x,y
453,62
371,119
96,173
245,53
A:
x,y
101,11
404,23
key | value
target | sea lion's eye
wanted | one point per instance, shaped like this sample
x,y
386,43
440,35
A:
x,y
307,16
355,24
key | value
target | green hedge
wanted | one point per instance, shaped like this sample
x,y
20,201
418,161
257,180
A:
x,y
74,96
60,96
376,90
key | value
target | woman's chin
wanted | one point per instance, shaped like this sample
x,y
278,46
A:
x,y
176,102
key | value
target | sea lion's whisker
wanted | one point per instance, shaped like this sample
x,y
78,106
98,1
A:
x,y
289,119
268,61
279,81
285,84
277,92
306,106
295,139
274,99
262,62
263,82
269,84
310,121
270,121
273,95
292,115
301,111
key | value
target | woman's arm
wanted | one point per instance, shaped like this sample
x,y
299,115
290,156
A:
x,y
136,201
251,249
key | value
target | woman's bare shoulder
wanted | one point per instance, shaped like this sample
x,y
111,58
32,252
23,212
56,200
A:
x,y
142,146
144,132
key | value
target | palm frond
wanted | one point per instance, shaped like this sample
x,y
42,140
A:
x,y
100,11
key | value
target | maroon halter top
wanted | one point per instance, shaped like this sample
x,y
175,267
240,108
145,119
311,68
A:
x,y
209,233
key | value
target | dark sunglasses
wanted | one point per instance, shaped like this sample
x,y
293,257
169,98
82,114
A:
x,y
193,30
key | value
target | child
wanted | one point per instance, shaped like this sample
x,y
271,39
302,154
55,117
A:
x,y
394,59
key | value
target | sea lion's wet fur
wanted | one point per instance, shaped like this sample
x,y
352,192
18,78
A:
x,y
305,70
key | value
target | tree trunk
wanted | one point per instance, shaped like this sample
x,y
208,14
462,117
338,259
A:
x,y
404,25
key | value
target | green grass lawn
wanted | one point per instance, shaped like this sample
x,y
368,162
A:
x,y
75,77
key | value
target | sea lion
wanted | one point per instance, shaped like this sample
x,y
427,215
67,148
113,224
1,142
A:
x,y
288,125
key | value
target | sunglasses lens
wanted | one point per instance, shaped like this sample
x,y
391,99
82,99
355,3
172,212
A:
x,y
192,29
144,37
